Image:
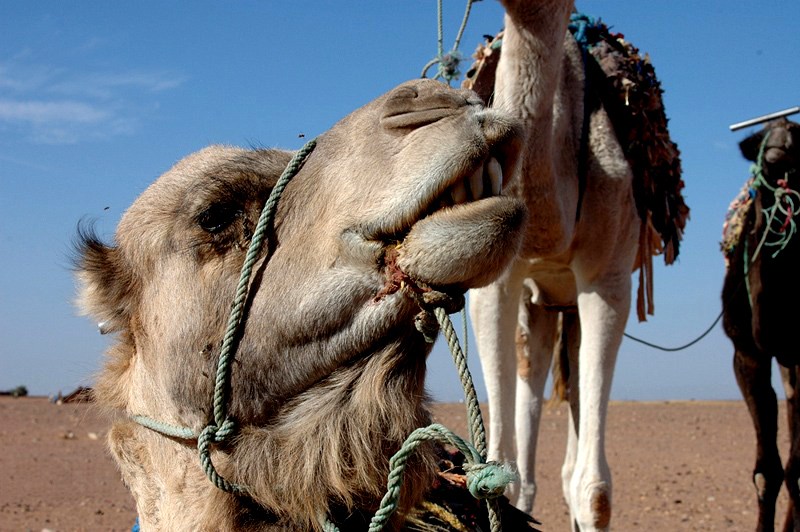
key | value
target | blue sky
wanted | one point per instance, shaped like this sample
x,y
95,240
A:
x,y
99,98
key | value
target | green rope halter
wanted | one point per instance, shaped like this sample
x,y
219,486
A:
x,y
786,203
484,480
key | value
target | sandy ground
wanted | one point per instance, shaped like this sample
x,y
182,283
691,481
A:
x,y
676,466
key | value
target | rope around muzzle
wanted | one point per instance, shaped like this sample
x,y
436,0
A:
x,y
784,208
484,480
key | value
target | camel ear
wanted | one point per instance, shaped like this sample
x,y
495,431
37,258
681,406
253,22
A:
x,y
107,288
750,146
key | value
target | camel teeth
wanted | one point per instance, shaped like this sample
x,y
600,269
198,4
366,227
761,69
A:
x,y
476,183
459,193
495,172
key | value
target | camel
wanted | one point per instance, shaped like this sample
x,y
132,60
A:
x,y
398,201
763,256
579,248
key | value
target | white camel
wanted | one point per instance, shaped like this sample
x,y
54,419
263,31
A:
x,y
579,250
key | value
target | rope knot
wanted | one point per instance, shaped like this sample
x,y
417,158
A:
x,y
426,321
448,65
489,480
427,324
218,433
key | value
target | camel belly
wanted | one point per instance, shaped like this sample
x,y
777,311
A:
x,y
552,284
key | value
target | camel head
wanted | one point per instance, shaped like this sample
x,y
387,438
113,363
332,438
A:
x,y
781,151
400,197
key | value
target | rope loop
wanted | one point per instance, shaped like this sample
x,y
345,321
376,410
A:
x,y
213,434
484,480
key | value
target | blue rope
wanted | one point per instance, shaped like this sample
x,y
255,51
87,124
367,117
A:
x,y
584,28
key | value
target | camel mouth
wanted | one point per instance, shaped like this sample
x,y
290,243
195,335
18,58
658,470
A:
x,y
482,181
462,239
485,181
776,155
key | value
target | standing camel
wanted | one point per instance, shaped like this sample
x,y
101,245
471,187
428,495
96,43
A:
x,y
761,284
578,252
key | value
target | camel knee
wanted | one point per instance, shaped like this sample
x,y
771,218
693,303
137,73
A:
x,y
529,369
768,478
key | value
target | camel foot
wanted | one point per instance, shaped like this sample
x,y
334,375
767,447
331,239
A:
x,y
527,493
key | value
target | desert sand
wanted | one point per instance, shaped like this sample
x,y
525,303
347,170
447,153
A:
x,y
676,466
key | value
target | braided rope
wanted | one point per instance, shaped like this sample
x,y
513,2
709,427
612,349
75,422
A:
x,y
225,358
476,428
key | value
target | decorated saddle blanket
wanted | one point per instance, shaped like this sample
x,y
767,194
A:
x,y
735,218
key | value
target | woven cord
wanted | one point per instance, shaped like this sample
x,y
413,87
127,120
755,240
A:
x,y
477,432
476,427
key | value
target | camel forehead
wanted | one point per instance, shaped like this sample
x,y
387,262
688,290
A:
x,y
211,171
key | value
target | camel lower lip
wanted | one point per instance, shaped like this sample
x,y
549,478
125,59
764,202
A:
x,y
461,246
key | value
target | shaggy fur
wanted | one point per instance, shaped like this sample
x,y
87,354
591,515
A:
x,y
328,378
576,254
756,297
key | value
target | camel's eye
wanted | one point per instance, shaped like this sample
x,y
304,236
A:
x,y
217,217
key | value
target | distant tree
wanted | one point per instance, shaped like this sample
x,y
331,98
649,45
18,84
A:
x,y
19,391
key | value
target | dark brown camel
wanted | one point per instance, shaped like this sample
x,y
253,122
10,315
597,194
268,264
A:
x,y
761,285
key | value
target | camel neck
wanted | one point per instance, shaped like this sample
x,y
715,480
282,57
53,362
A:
x,y
529,79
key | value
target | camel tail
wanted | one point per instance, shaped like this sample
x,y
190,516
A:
x,y
560,369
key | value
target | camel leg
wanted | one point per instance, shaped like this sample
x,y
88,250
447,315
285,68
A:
x,y
535,342
571,326
603,312
493,311
792,474
753,374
